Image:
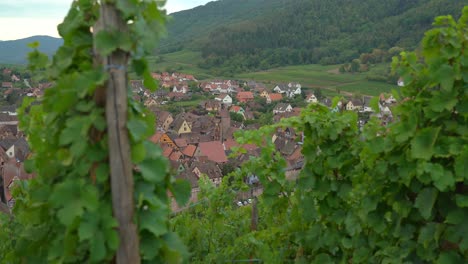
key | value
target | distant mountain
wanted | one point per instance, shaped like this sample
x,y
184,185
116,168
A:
x,y
241,35
16,51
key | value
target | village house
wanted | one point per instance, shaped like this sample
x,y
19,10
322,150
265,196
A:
x,y
163,139
14,150
366,104
237,109
150,102
163,120
282,108
7,85
137,86
208,168
6,72
353,105
400,82
264,93
311,99
8,109
244,97
180,89
225,99
180,126
220,87
211,105
15,78
290,89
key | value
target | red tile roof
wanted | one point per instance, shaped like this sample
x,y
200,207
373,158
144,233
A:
x,y
214,150
175,155
167,151
189,150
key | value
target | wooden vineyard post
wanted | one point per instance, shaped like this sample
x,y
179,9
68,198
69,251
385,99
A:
x,y
118,137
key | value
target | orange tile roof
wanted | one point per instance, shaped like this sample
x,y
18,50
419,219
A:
x,y
245,95
276,97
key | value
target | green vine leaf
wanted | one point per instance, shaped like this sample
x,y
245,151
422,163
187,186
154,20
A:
x,y
422,145
425,201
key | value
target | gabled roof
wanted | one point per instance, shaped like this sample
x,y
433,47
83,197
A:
x,y
7,143
282,86
282,107
222,96
178,122
21,149
356,102
162,116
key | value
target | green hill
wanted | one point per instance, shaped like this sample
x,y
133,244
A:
x,y
241,35
16,51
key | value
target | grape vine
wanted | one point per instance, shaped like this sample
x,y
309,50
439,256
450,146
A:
x,y
383,194
65,215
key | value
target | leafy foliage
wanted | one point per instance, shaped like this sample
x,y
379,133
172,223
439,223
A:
x,y
378,195
64,214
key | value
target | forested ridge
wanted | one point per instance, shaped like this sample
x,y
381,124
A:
x,y
257,34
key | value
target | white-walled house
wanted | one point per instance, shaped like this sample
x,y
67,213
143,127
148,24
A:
x,y
225,99
180,89
290,89
311,99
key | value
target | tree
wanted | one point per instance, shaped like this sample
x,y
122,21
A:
x,y
355,66
236,117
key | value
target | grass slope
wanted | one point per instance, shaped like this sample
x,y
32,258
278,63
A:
x,y
182,61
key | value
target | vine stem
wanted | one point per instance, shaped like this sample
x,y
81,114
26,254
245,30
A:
x,y
118,139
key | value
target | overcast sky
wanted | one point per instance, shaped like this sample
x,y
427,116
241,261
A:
x,y
25,18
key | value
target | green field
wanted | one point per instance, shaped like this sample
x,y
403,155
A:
x,y
325,77
309,76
